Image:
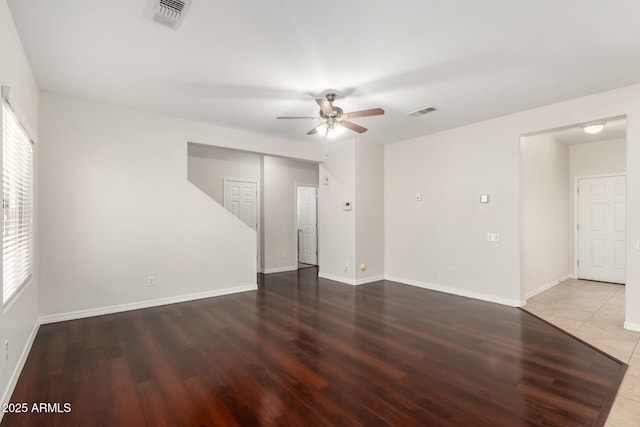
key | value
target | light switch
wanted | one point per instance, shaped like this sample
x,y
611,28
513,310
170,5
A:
x,y
493,237
484,198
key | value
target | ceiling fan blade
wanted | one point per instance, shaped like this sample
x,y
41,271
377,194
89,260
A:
x,y
325,106
315,129
354,127
364,113
298,117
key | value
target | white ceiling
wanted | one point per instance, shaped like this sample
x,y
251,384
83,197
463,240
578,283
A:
x,y
241,64
613,129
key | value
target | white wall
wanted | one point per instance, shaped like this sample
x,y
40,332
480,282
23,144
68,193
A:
x,y
595,158
544,213
355,171
442,244
453,167
117,207
208,166
19,320
632,295
369,210
279,209
336,227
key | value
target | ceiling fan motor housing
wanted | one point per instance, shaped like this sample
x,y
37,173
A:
x,y
337,112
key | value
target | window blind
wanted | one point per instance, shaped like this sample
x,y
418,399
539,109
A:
x,y
17,187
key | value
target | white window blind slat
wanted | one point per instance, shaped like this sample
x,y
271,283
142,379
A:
x,y
17,190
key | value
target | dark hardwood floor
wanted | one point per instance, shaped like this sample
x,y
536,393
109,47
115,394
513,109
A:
x,y
307,351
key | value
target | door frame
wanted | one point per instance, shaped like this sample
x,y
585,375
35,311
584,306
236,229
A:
x,y
576,213
295,215
258,212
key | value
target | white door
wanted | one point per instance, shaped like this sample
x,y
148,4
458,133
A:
x,y
602,229
241,199
307,224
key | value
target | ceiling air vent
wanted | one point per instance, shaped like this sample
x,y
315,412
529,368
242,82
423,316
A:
x,y
422,112
171,12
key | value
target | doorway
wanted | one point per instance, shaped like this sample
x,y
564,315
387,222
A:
x,y
572,206
601,228
307,225
241,199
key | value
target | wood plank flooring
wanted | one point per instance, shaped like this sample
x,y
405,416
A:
x,y
310,352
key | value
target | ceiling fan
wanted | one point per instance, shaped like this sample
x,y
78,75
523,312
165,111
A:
x,y
335,118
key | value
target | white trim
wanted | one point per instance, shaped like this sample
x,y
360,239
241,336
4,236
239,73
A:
x,y
456,291
15,297
547,286
576,214
80,314
632,326
369,280
6,396
279,269
337,279
22,118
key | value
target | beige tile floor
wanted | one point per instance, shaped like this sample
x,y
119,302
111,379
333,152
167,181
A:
x,y
594,312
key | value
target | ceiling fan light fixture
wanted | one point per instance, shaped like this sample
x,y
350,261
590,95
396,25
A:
x,y
322,128
334,130
593,128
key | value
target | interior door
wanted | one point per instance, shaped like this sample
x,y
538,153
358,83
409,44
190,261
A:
x,y
241,199
307,213
602,229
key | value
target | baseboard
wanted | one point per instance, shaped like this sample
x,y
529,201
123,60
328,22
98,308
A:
x,y
632,326
547,286
369,280
455,291
279,269
6,396
80,314
337,279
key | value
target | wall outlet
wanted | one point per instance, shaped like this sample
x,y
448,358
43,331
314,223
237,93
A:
x,y
151,281
452,272
346,266
493,237
6,349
